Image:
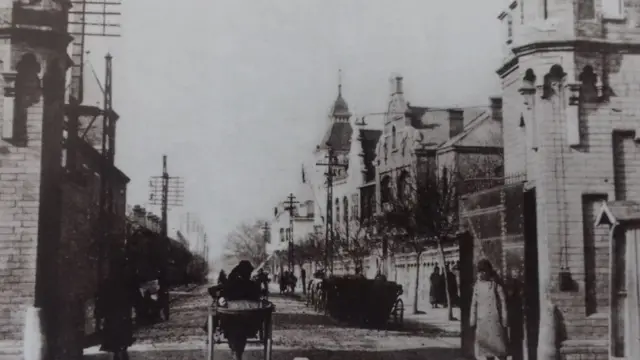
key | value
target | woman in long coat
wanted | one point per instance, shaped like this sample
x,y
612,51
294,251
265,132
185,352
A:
x,y
117,299
489,314
435,289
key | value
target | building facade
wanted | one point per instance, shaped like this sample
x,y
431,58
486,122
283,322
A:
x,y
417,142
570,125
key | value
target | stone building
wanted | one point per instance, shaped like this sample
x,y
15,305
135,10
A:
x,y
48,205
570,89
421,141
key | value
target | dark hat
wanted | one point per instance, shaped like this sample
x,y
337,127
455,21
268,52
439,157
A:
x,y
484,265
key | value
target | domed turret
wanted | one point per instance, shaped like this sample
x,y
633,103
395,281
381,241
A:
x,y
340,107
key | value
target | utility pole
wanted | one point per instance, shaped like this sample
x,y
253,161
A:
x,y
291,208
165,191
265,228
331,165
165,197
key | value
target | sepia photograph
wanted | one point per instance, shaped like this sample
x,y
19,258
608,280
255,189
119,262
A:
x,y
320,180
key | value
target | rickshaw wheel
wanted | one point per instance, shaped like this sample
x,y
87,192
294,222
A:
x,y
398,312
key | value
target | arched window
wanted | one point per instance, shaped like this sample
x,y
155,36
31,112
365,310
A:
x,y
310,210
393,137
27,93
385,189
337,215
282,235
402,185
588,87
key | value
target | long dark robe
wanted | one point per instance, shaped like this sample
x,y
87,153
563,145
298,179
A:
x,y
452,288
240,287
435,290
117,300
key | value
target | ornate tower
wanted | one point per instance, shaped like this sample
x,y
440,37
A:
x,y
570,93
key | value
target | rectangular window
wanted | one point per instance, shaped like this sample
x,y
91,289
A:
x,y
586,9
612,9
509,29
596,249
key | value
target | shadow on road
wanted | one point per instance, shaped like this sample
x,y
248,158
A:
x,y
435,353
294,320
423,329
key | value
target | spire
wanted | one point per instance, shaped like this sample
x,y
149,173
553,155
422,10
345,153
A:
x,y
340,107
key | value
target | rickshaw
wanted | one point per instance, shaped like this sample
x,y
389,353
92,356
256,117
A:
x,y
227,315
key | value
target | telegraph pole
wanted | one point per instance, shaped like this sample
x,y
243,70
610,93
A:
x,y
265,232
290,207
165,191
265,228
331,165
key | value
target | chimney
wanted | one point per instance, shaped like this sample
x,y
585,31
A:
x,y
399,85
496,108
456,122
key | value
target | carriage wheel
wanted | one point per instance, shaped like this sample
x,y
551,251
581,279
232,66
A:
x,y
398,312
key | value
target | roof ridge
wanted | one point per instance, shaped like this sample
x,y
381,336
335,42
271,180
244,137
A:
x,y
471,125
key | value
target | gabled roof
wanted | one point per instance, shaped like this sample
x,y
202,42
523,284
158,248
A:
x,y
482,131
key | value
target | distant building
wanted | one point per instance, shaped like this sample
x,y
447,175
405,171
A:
x,y
418,142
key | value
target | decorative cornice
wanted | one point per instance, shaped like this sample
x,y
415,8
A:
x,y
582,45
36,36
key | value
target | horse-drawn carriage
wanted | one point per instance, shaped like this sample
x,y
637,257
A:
x,y
236,321
374,302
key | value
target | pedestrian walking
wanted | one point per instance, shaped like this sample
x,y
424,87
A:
x,y
435,289
117,298
489,314
303,277
452,286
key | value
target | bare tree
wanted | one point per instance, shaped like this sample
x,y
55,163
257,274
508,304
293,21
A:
x,y
355,241
424,215
246,242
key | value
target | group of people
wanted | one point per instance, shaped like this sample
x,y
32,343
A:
x,y
439,287
288,282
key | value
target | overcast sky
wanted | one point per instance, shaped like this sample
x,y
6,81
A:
x,y
236,92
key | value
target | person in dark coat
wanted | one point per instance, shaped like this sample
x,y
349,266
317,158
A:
x,y
435,290
452,286
117,298
303,277
222,277
240,287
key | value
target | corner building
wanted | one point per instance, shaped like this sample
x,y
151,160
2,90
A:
x,y
571,84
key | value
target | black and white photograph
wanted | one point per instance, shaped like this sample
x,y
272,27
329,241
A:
x,y
319,180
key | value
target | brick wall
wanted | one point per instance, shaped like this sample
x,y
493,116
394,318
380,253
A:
x,y
569,179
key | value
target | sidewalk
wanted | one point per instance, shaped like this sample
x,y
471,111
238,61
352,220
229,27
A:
x,y
434,322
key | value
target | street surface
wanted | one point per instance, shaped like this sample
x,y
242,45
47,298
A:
x,y
298,332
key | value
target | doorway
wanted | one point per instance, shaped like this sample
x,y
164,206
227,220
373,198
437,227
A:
x,y
531,288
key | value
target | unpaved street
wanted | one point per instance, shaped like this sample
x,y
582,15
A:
x,y
298,332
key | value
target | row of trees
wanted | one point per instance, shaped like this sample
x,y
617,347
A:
x,y
422,216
